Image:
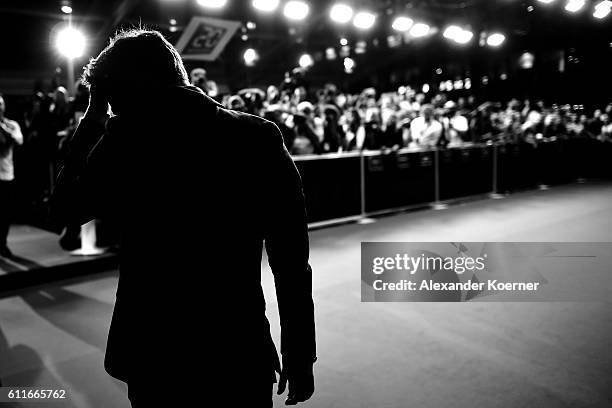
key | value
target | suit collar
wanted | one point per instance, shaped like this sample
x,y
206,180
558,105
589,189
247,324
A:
x,y
195,92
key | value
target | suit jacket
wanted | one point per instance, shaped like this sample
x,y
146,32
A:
x,y
196,190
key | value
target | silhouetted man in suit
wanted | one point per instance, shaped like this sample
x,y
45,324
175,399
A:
x,y
196,190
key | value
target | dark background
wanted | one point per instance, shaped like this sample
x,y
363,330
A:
x,y
582,43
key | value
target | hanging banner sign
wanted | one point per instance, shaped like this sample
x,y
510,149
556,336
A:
x,y
205,38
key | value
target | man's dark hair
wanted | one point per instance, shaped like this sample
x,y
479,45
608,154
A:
x,y
136,58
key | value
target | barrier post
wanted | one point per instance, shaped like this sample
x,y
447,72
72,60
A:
x,y
494,193
364,219
88,241
580,152
437,204
542,163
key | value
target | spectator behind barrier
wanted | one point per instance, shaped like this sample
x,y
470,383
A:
x,y
425,130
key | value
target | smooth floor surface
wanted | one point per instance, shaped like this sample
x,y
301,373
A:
x,y
372,355
34,249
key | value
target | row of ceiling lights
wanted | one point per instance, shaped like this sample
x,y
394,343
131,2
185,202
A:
x,y
601,9
343,13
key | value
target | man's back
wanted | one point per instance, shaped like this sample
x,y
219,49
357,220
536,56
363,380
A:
x,y
196,189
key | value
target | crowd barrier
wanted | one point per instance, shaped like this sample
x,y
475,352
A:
x,y
359,184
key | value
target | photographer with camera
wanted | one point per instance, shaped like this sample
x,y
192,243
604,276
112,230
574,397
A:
x,y
10,135
199,77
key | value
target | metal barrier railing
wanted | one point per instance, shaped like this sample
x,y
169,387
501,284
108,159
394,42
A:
x,y
348,186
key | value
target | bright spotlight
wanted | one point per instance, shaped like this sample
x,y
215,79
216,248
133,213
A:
x,y
465,37
526,60
602,9
66,9
213,4
574,5
546,1
364,20
601,13
305,61
419,30
402,23
70,42
458,34
266,5
349,65
495,39
452,32
330,53
296,10
250,57
341,13
360,47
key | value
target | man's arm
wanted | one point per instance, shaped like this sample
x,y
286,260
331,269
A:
x,y
73,200
287,246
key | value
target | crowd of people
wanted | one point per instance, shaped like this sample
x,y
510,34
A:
x,y
331,121
328,120
47,122
325,120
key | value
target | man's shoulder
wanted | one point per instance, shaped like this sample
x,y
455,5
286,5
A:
x,y
247,129
241,119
